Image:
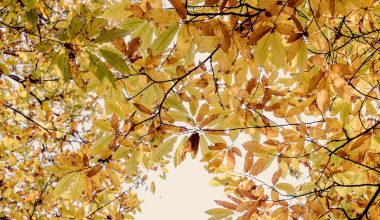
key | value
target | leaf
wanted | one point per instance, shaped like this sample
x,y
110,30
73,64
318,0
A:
x,y
153,187
110,35
101,69
225,204
180,8
76,25
317,207
248,162
163,149
192,144
115,60
323,97
164,39
60,169
93,171
254,147
259,166
64,184
78,186
288,188
278,49
63,65
258,33
219,212
131,23
224,36
101,144
302,58
222,5
261,50
142,108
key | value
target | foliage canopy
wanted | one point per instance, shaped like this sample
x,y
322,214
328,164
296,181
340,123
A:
x,y
94,94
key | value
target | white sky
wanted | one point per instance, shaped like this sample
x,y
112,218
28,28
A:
x,y
185,194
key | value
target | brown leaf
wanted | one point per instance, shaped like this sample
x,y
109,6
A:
x,y
251,84
132,47
120,45
284,28
115,122
211,2
217,146
224,37
294,3
225,204
93,171
223,5
143,109
297,23
248,161
85,160
313,83
258,33
180,8
294,37
192,144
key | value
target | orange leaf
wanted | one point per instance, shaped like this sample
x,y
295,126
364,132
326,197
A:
x,y
258,167
225,204
231,158
248,161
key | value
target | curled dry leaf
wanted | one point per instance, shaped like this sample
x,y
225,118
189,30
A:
x,y
192,145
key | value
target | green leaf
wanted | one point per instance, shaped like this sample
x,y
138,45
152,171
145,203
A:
x,y
131,23
115,60
32,17
165,38
163,149
101,69
145,33
64,183
110,35
175,103
63,65
76,25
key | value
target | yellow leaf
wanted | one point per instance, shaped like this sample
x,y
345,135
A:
x,y
288,188
261,50
64,183
219,212
78,186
